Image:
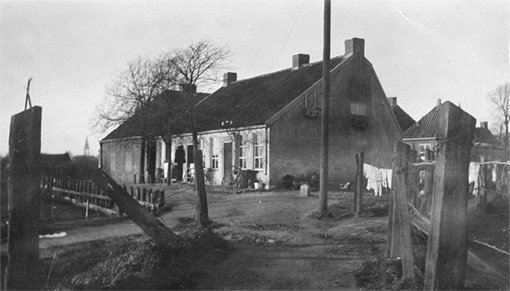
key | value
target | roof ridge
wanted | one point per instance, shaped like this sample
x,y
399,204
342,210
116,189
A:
x,y
283,70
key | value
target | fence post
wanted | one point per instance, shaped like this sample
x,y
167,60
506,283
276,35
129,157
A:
x,y
401,244
447,244
162,198
24,200
358,192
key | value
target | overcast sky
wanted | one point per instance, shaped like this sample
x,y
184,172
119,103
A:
x,y
421,50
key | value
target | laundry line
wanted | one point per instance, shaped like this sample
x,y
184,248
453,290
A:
x,y
377,178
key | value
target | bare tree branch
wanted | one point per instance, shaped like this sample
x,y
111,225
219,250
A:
x,y
499,99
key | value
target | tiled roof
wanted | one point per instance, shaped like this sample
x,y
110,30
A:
x,y
483,135
404,120
426,127
255,100
161,115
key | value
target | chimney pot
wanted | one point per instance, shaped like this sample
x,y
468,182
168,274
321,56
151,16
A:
x,y
188,88
438,101
355,46
229,78
300,60
392,101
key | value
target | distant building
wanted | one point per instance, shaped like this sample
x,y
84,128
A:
x,y
422,137
271,124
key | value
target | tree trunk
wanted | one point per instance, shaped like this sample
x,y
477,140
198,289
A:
x,y
202,211
141,178
169,161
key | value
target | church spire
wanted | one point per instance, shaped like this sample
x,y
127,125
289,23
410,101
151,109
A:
x,y
86,150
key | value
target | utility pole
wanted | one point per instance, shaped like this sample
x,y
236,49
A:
x,y
323,192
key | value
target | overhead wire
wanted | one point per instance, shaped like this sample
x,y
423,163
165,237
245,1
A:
x,y
288,35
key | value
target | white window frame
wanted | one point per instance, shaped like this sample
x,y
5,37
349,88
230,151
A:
x,y
258,151
243,150
215,153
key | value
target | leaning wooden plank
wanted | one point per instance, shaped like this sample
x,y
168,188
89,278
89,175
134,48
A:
x,y
24,199
447,247
141,216
479,263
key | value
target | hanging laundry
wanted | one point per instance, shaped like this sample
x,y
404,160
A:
x,y
377,178
474,170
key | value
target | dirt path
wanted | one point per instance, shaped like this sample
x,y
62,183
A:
x,y
278,244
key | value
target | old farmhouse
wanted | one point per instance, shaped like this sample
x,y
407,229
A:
x,y
271,124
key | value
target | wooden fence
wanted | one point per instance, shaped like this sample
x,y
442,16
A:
x,y
433,198
86,194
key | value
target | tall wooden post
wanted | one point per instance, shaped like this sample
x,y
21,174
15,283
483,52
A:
x,y
24,200
400,241
358,194
447,243
324,172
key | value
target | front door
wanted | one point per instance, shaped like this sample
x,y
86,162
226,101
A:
x,y
227,160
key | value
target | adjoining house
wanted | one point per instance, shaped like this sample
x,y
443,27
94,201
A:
x,y
136,151
271,124
422,137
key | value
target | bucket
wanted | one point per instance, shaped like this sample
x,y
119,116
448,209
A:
x,y
256,185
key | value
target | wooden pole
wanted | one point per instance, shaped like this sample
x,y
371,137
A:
x,y
358,195
141,216
403,233
447,244
323,191
24,200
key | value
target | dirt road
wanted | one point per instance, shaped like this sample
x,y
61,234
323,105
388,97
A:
x,y
278,243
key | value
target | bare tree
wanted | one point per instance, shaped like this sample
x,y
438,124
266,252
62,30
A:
x,y
198,64
499,99
131,99
144,79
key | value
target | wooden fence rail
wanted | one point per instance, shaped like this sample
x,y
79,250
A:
x,y
86,194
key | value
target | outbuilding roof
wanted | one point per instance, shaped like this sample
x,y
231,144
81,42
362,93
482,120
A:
x,y
164,114
426,127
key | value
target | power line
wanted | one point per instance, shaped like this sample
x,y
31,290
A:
x,y
288,35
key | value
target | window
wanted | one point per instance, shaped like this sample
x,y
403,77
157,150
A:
x,y
242,152
313,98
215,153
258,151
425,152
358,109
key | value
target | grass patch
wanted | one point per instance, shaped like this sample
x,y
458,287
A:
x,y
134,263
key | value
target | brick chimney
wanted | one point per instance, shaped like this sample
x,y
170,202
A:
x,y
355,46
484,124
300,60
229,78
392,101
188,88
